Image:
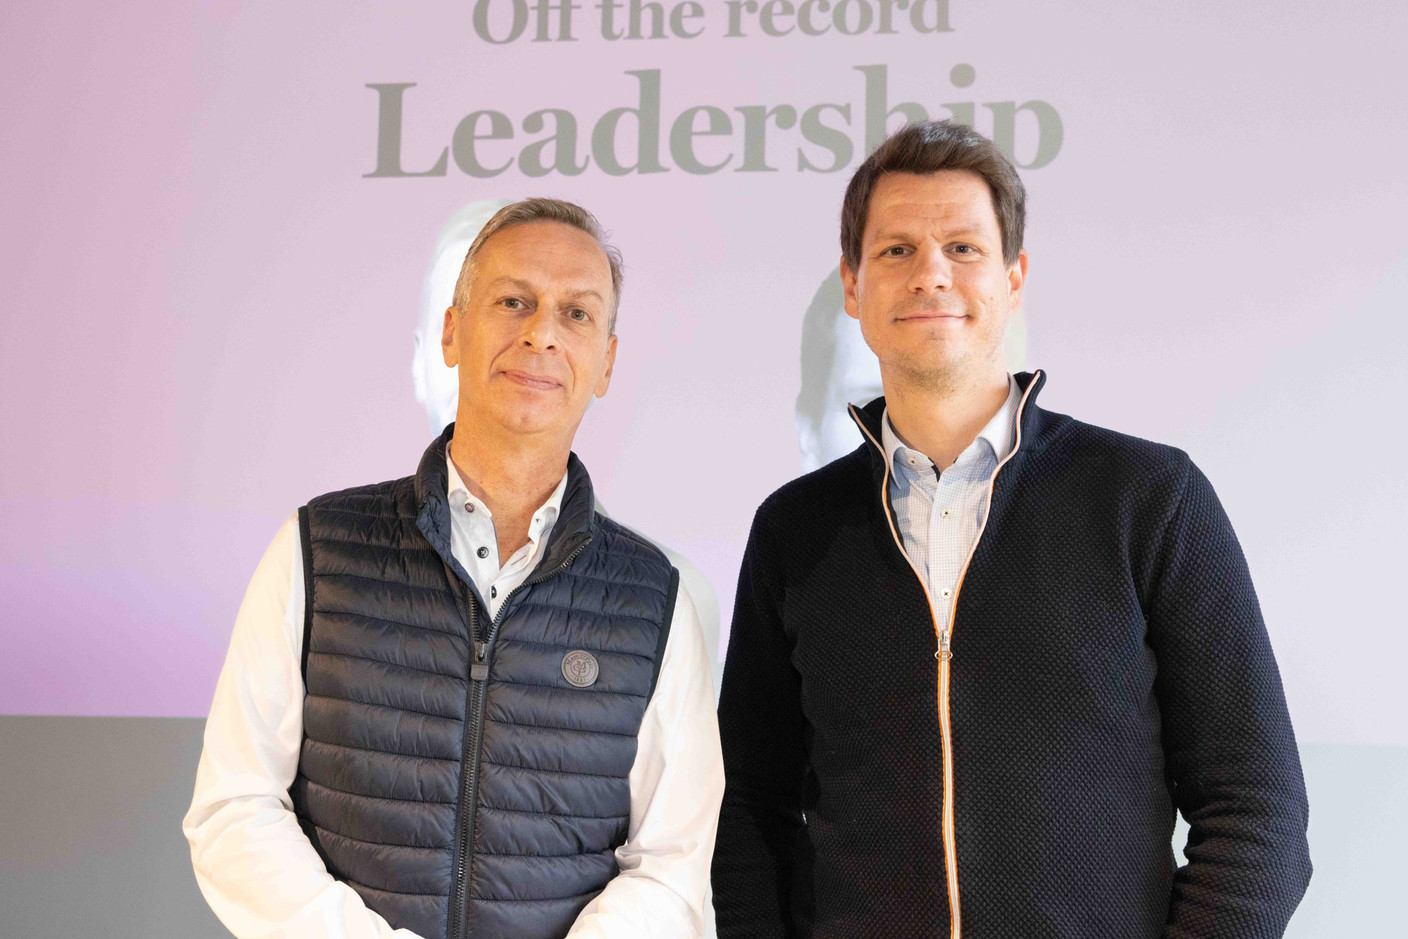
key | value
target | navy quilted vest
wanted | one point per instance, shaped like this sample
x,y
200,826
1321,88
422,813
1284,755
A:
x,y
450,773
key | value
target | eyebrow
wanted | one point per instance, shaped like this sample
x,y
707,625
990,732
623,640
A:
x,y
510,282
968,232
524,285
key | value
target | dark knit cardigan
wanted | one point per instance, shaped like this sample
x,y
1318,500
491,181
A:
x,y
1109,666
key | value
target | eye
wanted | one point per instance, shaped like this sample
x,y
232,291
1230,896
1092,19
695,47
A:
x,y
894,251
965,249
513,303
579,314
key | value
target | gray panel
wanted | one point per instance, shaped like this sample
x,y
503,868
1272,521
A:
x,y
90,829
90,832
1358,840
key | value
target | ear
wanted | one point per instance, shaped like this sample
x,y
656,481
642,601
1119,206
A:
x,y
1016,280
448,346
605,381
848,290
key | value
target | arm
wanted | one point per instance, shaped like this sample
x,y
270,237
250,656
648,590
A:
x,y
1229,748
676,783
757,861
256,868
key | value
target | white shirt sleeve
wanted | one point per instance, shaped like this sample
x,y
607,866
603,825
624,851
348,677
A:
x,y
677,784
256,868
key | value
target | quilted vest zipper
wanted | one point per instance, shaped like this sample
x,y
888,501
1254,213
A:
x,y
944,653
474,739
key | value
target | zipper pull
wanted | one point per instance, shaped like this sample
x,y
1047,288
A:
x,y
479,669
944,653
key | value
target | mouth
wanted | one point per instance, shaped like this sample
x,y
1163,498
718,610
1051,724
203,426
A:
x,y
529,380
930,318
928,311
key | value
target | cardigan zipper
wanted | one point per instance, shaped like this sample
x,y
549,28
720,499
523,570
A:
x,y
944,652
474,733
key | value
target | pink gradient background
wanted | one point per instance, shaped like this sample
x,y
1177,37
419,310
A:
x,y
208,310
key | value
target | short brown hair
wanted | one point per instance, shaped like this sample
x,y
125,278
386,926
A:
x,y
928,147
542,210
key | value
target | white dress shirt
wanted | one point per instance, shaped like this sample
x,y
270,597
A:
x,y
263,878
939,512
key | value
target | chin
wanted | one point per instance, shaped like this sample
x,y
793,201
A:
x,y
532,417
528,421
933,372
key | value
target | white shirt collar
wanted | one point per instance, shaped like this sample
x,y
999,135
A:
x,y
461,498
998,433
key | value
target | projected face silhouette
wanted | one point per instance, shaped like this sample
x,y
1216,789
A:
x,y
839,368
437,385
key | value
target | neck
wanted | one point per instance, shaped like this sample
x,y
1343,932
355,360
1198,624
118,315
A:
x,y
512,474
941,419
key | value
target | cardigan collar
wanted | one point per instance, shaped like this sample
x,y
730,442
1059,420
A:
x,y
1029,420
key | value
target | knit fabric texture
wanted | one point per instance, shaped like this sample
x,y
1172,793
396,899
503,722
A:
x,y
1110,665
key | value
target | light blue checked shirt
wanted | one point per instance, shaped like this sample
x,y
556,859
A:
x,y
939,513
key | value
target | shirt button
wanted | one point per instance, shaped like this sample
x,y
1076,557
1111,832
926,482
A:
x,y
469,506
945,513
483,552
493,592
946,593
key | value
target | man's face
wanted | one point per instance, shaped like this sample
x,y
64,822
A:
x,y
932,292
532,344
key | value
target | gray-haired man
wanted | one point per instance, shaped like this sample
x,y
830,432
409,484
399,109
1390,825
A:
x,y
463,703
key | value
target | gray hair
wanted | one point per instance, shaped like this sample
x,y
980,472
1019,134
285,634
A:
x,y
543,210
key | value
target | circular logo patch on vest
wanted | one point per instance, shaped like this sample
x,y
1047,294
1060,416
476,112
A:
x,y
580,668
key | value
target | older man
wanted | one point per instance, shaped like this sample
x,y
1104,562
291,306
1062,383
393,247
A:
x,y
462,703
978,663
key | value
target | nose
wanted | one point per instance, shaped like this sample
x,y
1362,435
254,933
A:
x,y
932,270
540,330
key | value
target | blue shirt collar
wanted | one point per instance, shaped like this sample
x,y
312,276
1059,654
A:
x,y
996,436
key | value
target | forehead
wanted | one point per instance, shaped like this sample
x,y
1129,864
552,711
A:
x,y
947,199
545,251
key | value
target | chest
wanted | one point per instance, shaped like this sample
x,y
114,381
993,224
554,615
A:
x,y
1047,602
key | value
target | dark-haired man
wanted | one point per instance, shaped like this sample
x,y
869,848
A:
x,y
463,704
978,663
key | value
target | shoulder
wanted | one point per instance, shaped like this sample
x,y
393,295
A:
x,y
282,562
1108,457
386,499
624,543
843,483
379,513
